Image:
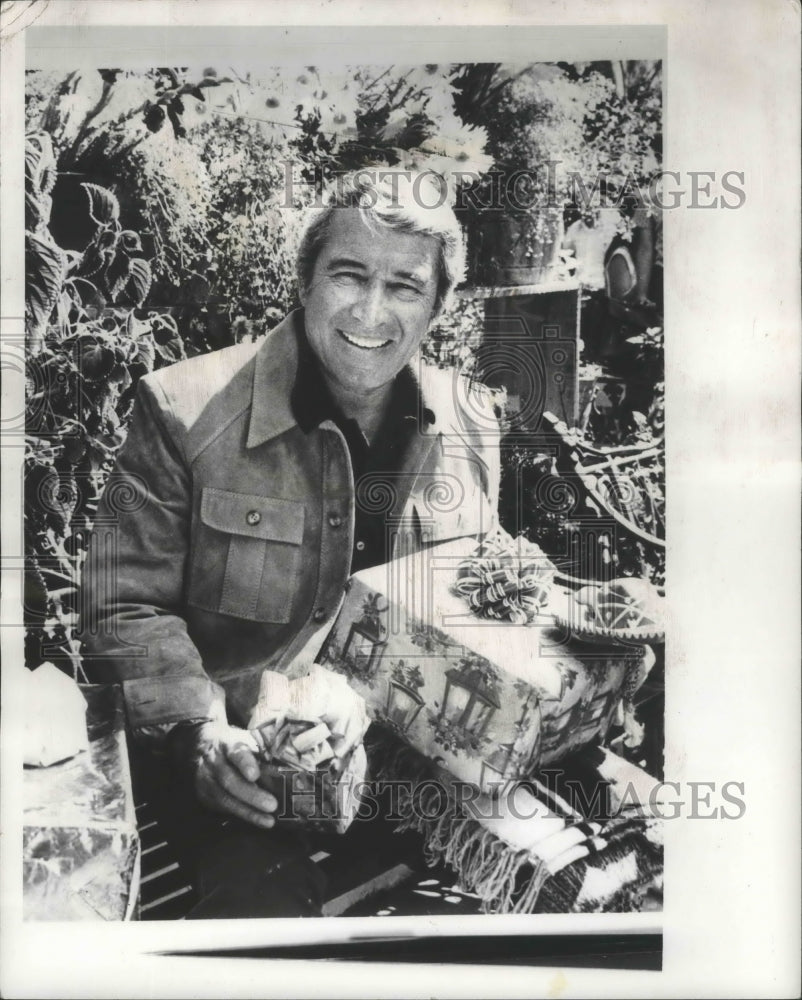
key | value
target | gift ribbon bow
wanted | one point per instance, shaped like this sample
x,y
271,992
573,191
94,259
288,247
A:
x,y
501,584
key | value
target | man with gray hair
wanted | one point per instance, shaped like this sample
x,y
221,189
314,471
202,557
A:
x,y
266,475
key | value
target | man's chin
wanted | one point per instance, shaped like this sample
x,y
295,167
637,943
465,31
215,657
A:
x,y
363,382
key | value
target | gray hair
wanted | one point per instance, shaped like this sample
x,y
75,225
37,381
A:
x,y
402,200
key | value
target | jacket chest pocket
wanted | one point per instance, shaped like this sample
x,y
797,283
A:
x,y
247,555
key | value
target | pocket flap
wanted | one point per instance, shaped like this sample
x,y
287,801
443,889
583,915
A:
x,y
253,516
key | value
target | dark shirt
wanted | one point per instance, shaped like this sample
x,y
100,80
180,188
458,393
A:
x,y
373,464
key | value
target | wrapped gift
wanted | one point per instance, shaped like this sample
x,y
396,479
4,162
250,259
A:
x,y
314,772
486,699
313,786
80,842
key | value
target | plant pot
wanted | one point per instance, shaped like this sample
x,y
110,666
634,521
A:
x,y
513,248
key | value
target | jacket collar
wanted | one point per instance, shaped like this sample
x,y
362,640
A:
x,y
275,369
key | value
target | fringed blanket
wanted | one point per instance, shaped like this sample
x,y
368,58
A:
x,y
577,838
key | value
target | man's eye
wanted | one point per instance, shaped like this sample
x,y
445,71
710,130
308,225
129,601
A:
x,y
408,291
349,276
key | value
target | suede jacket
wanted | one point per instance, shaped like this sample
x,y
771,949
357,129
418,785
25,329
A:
x,y
223,539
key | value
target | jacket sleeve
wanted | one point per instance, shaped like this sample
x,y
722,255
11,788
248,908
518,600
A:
x,y
132,627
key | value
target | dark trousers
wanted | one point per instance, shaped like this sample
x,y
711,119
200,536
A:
x,y
236,870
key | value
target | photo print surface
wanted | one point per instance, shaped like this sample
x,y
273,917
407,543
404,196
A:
x,y
224,535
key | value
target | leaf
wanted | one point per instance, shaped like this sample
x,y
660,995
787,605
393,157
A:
x,y
130,241
33,154
92,300
40,176
145,356
197,288
104,208
95,358
167,341
135,284
45,270
93,261
47,171
120,378
171,351
135,328
37,209
116,275
164,327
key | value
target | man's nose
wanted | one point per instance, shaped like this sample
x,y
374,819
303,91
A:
x,y
370,305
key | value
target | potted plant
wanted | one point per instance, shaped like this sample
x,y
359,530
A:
x,y
554,131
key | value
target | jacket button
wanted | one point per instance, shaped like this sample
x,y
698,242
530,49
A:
x,y
253,517
319,615
335,520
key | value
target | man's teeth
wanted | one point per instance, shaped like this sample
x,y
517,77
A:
x,y
367,343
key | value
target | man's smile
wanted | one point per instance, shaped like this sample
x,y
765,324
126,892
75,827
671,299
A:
x,y
365,343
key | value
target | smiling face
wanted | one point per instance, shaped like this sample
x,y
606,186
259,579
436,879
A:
x,y
370,302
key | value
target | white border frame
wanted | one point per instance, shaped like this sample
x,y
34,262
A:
x,y
732,310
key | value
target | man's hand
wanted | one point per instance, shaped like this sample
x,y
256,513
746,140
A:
x,y
222,760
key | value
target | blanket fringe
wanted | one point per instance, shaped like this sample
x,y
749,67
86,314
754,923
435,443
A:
x,y
485,864
509,879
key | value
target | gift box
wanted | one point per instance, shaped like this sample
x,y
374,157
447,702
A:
x,y
81,853
487,700
315,773
313,787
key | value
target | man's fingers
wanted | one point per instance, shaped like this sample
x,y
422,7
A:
x,y
215,797
244,791
243,759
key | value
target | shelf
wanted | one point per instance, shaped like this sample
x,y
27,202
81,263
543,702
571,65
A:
x,y
511,291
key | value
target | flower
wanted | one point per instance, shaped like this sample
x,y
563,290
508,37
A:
x,y
465,149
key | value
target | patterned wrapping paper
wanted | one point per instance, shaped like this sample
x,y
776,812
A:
x,y
486,700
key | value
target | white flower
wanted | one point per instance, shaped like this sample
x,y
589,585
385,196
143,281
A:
x,y
465,149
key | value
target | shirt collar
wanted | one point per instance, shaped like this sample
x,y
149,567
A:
x,y
311,400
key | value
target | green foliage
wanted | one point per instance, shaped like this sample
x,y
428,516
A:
x,y
86,350
456,334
